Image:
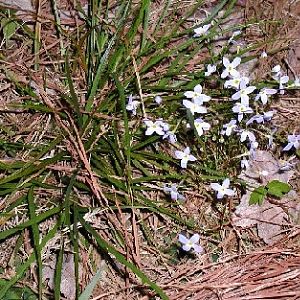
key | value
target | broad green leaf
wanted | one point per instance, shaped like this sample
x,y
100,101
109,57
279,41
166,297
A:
x,y
277,188
258,195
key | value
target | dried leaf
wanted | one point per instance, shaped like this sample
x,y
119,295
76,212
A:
x,y
268,217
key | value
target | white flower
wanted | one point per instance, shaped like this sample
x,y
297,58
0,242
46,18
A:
x,y
210,69
282,80
222,189
244,163
263,173
230,67
173,191
132,105
267,116
200,126
195,107
201,30
229,127
241,109
293,141
196,95
276,71
296,83
247,134
243,92
158,99
191,243
263,95
257,118
152,127
185,156
277,75
235,82
171,136
234,34
264,54
253,147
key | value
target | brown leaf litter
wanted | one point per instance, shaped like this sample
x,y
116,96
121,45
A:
x,y
268,273
272,215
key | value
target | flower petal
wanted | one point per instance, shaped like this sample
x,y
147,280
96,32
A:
x,y
195,238
182,239
198,88
186,247
179,154
183,163
236,95
288,147
192,158
226,61
215,186
229,192
236,62
198,249
189,94
226,183
220,195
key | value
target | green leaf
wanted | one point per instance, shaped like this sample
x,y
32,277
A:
x,y
107,247
9,28
258,195
87,293
277,188
36,239
18,293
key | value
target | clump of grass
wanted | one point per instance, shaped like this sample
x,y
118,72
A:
x,y
85,161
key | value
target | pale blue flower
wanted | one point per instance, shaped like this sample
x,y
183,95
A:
x,y
276,72
230,67
243,92
223,189
234,35
195,107
293,141
282,81
210,69
173,191
190,243
154,127
264,93
185,156
200,126
244,163
229,127
158,99
257,118
263,54
201,30
170,136
197,96
235,82
246,134
241,109
132,105
267,116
